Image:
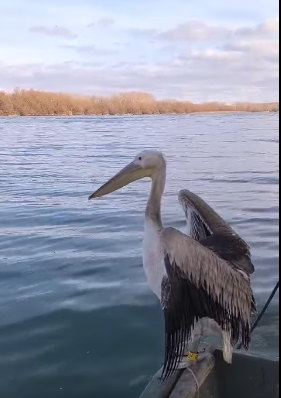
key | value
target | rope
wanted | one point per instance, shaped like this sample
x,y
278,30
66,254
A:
x,y
196,382
257,321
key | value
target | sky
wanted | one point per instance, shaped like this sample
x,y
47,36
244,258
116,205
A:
x,y
197,50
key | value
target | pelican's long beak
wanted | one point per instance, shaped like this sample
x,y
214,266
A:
x,y
128,174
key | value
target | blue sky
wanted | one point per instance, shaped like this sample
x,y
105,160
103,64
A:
x,y
196,50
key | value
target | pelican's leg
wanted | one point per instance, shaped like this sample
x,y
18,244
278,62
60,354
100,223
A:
x,y
192,347
204,327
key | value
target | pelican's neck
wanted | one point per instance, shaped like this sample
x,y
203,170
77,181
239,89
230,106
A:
x,y
153,208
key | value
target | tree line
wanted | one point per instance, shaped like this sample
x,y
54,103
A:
x,y
41,103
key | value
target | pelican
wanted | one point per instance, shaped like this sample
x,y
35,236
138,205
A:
x,y
202,278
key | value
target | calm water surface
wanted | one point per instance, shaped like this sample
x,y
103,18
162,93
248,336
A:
x,y
76,316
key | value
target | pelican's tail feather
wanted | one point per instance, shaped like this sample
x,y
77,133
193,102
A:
x,y
227,347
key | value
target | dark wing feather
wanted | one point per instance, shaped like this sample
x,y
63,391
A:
x,y
185,303
214,232
231,248
198,229
199,284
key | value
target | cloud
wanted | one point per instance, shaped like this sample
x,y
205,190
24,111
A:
x,y
90,49
261,48
146,33
256,42
102,23
195,60
207,75
54,31
194,30
200,31
267,29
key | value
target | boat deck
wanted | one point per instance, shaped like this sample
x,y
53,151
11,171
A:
x,y
248,377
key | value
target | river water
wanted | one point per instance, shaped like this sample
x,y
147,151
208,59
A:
x,y
77,318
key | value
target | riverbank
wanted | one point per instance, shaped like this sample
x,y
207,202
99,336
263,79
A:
x,y
40,103
145,114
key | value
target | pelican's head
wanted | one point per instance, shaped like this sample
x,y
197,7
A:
x,y
145,164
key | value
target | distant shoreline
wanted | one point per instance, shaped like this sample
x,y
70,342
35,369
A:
x,y
143,114
42,103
